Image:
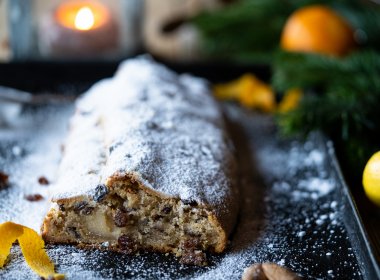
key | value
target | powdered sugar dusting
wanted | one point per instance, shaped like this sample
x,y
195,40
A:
x,y
30,149
163,128
307,235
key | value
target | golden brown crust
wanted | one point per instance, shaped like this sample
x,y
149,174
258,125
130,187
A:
x,y
194,227
164,145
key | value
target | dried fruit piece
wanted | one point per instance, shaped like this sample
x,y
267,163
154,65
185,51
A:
x,y
82,208
88,210
79,206
167,209
127,244
33,197
32,247
120,218
73,231
100,192
191,244
190,202
43,181
4,178
192,255
194,258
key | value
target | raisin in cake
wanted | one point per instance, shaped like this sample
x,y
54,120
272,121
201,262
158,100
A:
x,y
147,166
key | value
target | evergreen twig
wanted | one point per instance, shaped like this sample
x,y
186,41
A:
x,y
343,94
344,100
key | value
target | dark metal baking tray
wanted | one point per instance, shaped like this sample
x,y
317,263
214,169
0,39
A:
x,y
296,208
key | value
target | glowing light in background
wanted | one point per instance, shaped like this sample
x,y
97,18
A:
x,y
84,19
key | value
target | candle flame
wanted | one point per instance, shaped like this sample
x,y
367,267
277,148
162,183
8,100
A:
x,y
84,19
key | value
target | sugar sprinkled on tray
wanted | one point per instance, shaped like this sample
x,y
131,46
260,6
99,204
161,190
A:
x,y
274,225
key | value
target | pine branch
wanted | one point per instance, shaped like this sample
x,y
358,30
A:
x,y
250,30
345,93
344,102
243,29
364,17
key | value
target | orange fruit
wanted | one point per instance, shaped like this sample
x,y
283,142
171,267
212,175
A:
x,y
317,29
371,178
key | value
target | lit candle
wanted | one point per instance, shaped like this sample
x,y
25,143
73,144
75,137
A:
x,y
77,29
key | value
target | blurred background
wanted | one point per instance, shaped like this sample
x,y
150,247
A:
x,y
244,31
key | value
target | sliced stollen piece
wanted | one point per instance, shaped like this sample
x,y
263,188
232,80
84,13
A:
x,y
147,165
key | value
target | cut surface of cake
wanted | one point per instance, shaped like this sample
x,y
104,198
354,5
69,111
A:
x,y
147,165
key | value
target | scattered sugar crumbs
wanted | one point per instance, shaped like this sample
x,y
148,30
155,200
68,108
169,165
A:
x,y
290,215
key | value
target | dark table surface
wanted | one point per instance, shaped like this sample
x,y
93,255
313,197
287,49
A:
x,y
74,78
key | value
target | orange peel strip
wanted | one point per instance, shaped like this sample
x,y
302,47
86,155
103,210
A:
x,y
9,234
290,100
32,247
233,89
250,91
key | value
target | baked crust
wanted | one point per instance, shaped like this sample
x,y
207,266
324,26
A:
x,y
147,165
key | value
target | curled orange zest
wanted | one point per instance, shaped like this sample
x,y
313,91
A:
x,y
290,100
249,91
32,247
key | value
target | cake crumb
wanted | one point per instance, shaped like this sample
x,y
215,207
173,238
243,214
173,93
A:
x,y
43,181
33,197
4,180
